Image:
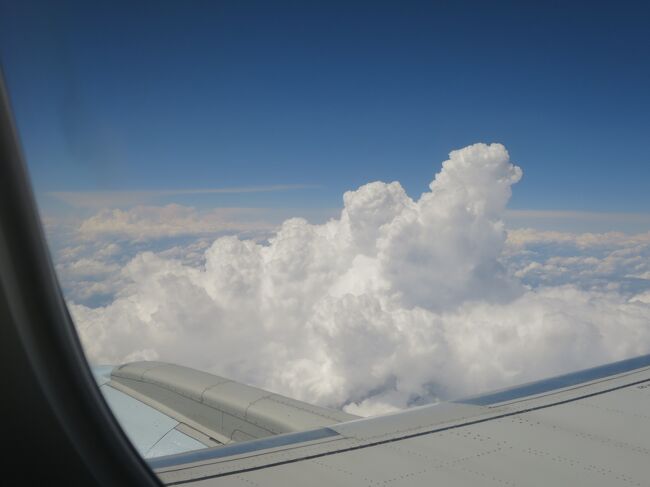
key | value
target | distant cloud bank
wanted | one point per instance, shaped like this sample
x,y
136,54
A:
x,y
122,199
143,223
394,303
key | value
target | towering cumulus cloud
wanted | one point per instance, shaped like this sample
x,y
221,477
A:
x,y
395,303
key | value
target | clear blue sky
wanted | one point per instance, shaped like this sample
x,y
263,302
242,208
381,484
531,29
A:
x,y
175,95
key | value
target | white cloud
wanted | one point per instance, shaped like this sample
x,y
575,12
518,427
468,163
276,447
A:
x,y
526,236
395,303
90,253
590,261
86,267
642,298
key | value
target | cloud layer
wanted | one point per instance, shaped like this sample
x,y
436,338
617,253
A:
x,y
122,199
394,303
143,223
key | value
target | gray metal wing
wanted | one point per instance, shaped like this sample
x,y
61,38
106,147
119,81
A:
x,y
587,428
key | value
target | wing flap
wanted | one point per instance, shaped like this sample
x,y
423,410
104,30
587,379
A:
x,y
222,409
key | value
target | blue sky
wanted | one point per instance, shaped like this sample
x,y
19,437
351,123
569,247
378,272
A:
x,y
243,114
191,95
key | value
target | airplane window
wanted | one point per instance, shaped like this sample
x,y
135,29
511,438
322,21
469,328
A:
x,y
271,218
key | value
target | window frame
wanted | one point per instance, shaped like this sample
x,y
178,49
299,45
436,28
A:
x,y
58,424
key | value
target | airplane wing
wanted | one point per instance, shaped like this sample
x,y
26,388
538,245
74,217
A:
x,y
586,428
